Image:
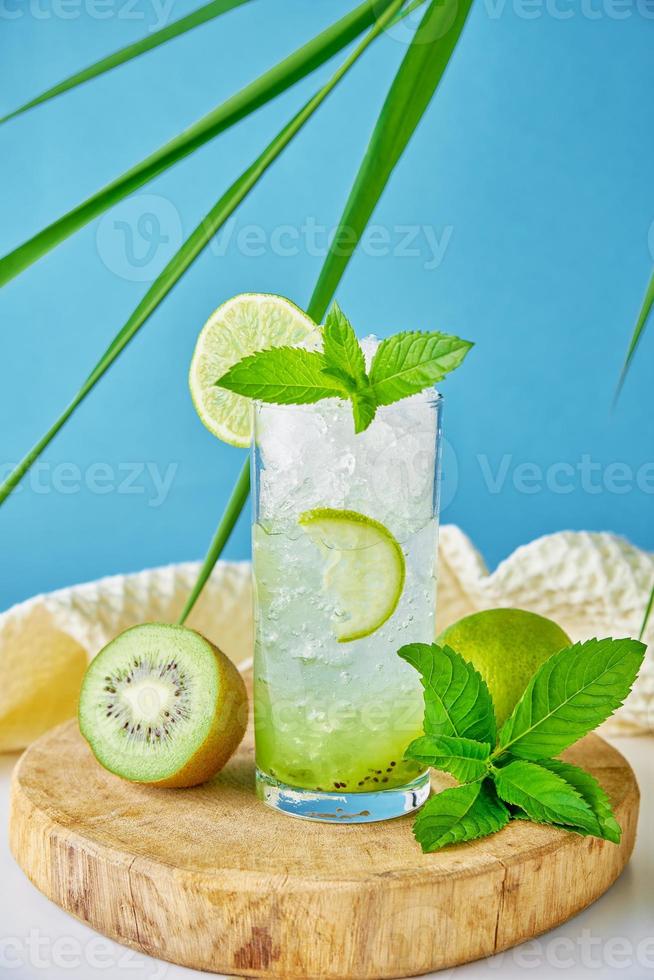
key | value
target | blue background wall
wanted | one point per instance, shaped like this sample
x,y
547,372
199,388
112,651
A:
x,y
532,168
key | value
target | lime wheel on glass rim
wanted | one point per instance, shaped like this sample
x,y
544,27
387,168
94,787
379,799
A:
x,y
243,325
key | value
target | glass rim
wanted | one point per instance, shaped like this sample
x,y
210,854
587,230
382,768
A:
x,y
436,398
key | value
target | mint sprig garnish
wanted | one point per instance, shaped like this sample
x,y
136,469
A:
x,y
514,776
403,365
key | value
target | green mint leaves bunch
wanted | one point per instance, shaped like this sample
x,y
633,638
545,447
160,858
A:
x,y
514,774
403,365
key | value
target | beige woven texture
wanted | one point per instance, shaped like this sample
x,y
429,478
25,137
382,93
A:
x,y
592,584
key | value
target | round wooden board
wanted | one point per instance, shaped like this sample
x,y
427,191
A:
x,y
211,878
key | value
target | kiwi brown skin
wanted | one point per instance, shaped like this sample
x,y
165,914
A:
x,y
226,732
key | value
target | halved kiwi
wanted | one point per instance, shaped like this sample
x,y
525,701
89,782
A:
x,y
160,704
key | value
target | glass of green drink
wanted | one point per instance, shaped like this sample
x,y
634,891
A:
x,y
344,551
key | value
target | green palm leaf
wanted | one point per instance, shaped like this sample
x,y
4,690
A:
x,y
410,94
636,337
208,12
276,80
647,614
231,514
192,247
416,79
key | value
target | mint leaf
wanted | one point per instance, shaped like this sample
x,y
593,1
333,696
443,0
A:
x,y
457,700
466,759
346,380
569,695
283,375
590,791
409,362
345,361
544,796
460,814
340,345
364,407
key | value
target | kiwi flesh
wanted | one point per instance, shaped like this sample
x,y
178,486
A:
x,y
161,704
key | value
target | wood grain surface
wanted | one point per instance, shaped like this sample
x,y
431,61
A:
x,y
211,878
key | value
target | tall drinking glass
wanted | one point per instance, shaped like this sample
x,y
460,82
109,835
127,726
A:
x,y
332,719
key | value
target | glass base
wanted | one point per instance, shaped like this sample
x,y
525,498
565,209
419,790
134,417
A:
x,y
307,804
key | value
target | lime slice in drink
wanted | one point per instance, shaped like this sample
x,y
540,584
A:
x,y
241,326
364,569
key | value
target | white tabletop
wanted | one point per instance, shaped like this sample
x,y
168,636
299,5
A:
x,y
613,938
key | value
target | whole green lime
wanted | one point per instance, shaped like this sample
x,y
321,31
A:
x,y
506,646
